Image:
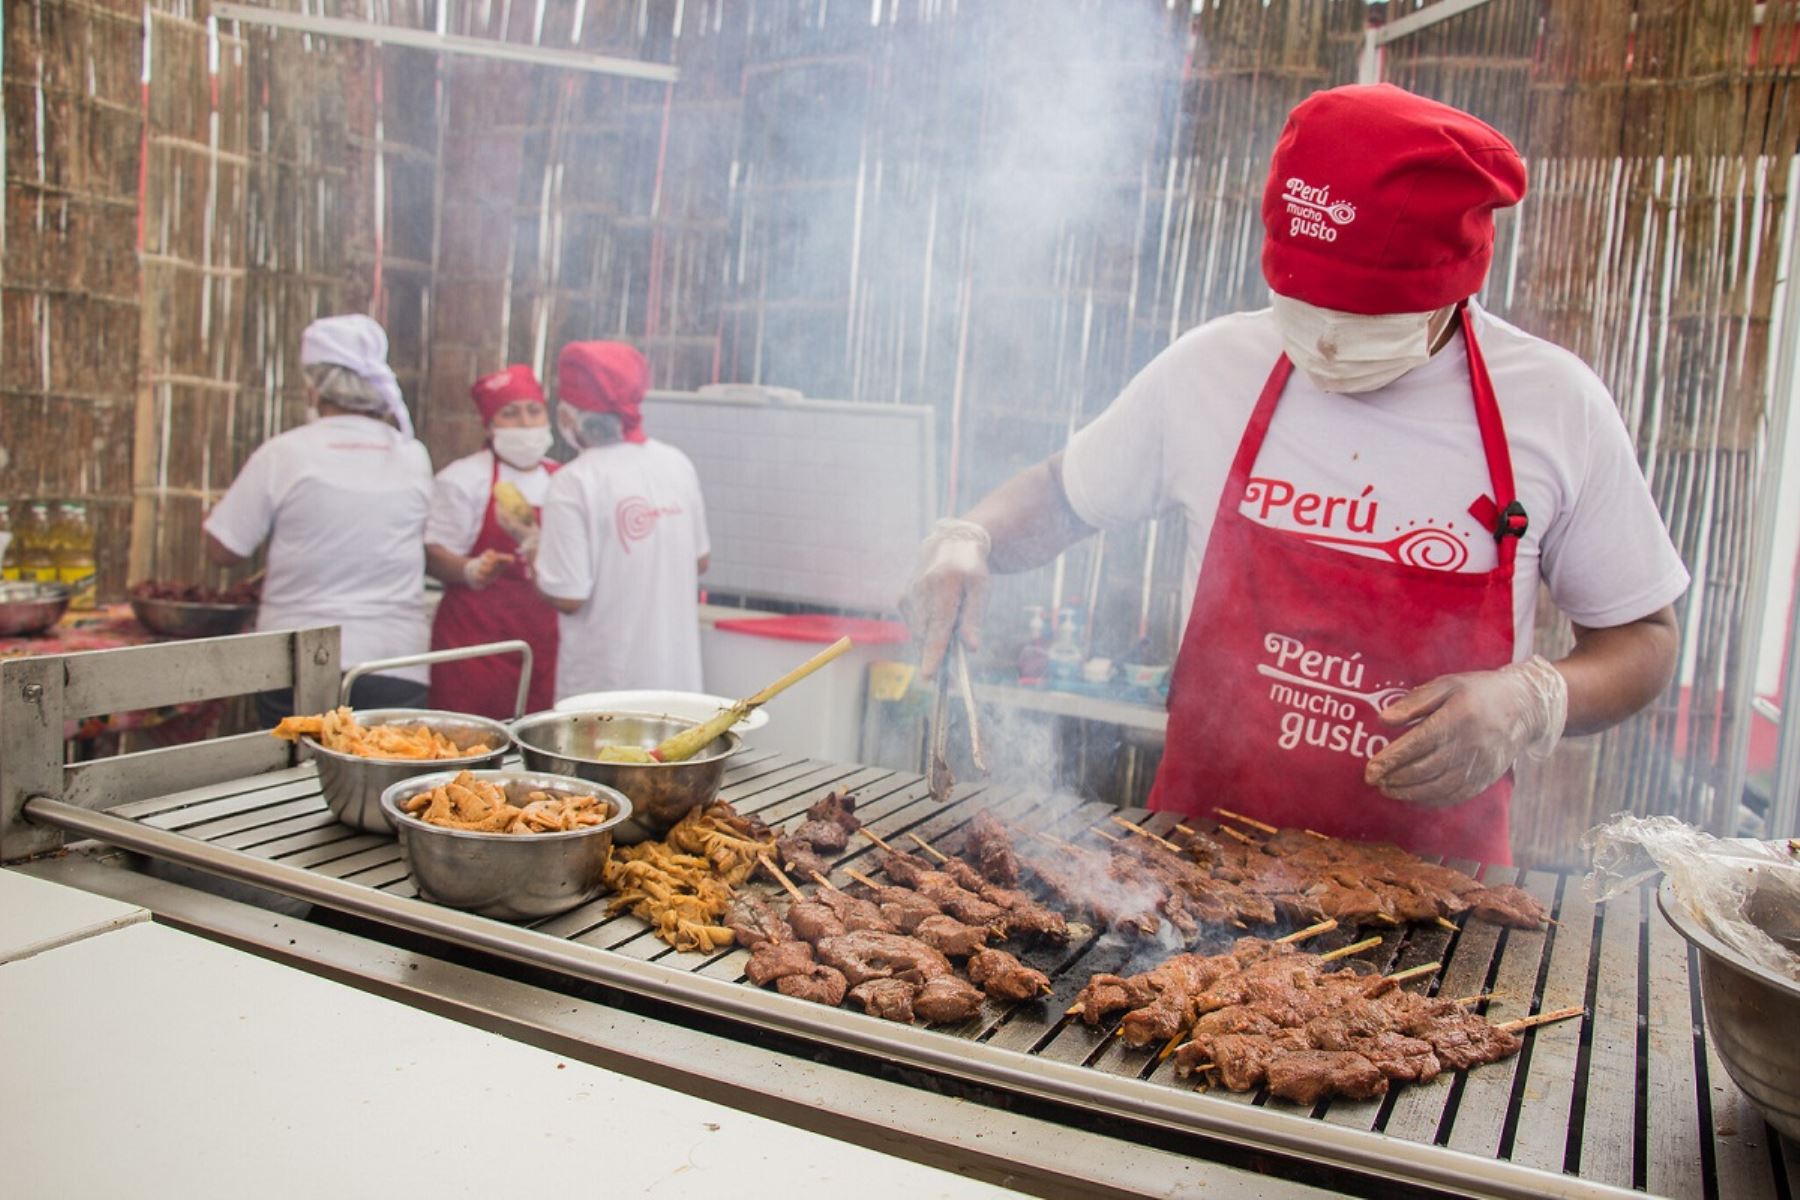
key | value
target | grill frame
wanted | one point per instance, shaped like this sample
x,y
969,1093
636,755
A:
x,y
274,831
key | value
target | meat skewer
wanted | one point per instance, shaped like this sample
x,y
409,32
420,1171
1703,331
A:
x,y
777,955
992,851
919,916
1305,1048
1024,915
1004,977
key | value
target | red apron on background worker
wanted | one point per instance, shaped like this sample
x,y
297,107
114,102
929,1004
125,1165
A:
x,y
1375,475
479,542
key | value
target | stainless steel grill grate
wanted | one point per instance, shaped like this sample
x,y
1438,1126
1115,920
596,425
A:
x,y
1630,1097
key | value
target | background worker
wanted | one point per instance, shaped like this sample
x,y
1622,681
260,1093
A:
x,y
341,502
624,538
480,548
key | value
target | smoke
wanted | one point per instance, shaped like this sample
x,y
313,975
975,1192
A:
x,y
950,213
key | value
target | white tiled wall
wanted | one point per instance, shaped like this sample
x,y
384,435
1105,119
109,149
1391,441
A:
x,y
816,501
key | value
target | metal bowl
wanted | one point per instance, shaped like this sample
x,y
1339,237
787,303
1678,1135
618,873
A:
x,y
509,876
1751,1010
190,619
28,608
661,793
679,706
353,784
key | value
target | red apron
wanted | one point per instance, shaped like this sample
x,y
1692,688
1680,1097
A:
x,y
1293,648
509,607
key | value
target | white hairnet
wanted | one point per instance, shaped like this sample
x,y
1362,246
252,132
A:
x,y
356,342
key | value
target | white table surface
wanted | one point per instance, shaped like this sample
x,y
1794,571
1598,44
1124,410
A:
x,y
148,1062
36,916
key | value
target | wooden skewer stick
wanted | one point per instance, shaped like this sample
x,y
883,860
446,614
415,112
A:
x,y
824,882
861,878
1075,1009
780,876
1187,829
1323,837
1099,832
1174,1044
1300,935
1477,998
1447,923
1241,819
1399,977
1229,832
1543,1018
1353,948
928,848
877,839
1165,843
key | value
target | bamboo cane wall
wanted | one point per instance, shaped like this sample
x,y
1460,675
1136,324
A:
x,y
70,288
887,203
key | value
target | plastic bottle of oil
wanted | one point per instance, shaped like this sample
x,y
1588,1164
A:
x,y
9,556
37,560
76,567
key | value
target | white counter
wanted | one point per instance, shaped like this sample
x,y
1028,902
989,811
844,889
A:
x,y
139,1060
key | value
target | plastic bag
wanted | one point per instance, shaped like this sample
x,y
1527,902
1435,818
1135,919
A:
x,y
1714,877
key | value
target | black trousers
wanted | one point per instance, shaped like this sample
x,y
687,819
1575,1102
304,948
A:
x,y
371,691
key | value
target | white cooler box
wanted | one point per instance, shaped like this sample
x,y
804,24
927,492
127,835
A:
x,y
742,652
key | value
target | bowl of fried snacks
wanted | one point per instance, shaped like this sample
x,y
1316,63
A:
x,y
513,845
662,792
362,754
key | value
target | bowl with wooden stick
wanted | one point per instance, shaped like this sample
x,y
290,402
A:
x,y
666,766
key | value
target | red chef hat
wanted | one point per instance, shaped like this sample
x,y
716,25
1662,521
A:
x,y
1380,201
605,377
492,393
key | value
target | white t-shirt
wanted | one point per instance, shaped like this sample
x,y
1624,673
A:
x,y
624,528
459,498
342,502
1360,473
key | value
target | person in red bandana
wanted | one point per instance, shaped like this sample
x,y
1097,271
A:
x,y
624,539
1376,475
480,548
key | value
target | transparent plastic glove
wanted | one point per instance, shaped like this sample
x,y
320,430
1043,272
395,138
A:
x,y
479,571
949,590
1468,730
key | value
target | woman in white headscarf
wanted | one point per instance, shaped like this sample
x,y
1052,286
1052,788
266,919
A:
x,y
341,502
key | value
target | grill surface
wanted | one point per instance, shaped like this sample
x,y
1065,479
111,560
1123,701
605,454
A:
x,y
1631,1096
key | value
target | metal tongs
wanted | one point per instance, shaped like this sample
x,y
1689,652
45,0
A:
x,y
941,779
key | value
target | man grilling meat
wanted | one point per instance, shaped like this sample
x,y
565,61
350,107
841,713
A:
x,y
1375,474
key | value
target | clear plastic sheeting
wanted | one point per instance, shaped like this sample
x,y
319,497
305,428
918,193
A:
x,y
1746,892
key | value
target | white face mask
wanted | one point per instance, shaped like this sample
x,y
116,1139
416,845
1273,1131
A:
x,y
569,428
522,447
1352,352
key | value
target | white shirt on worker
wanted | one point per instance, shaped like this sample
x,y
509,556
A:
x,y
342,502
1391,473
623,528
459,498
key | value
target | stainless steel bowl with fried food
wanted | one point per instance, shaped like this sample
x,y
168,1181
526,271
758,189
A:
x,y
489,842
361,754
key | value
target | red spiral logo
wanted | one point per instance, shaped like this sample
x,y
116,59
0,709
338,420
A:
x,y
1438,549
635,518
